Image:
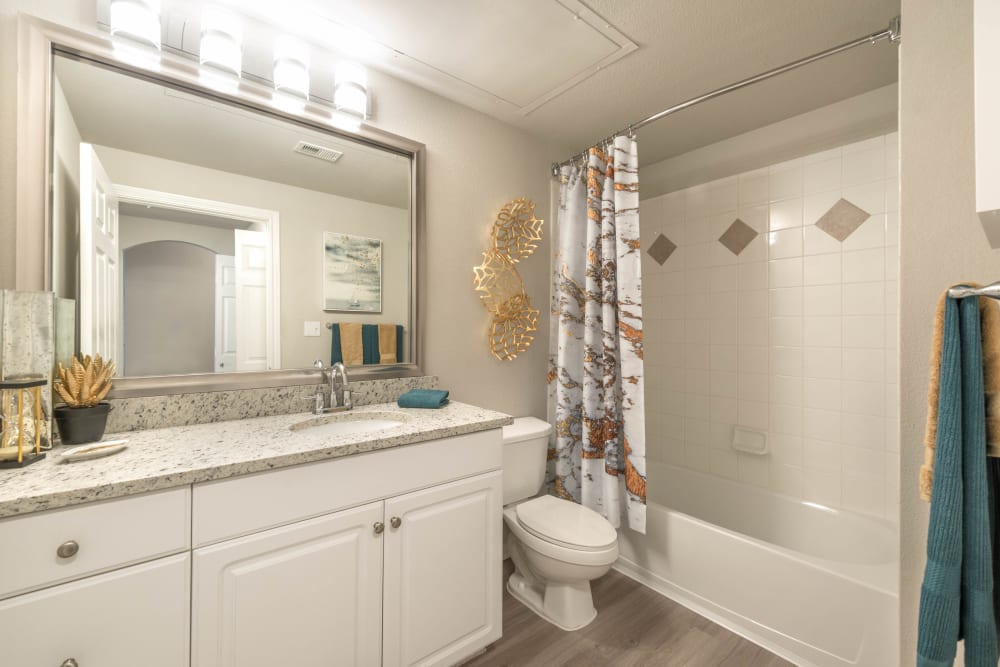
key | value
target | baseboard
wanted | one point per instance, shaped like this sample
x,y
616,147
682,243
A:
x,y
748,629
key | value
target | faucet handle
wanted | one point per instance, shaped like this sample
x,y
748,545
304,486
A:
x,y
318,364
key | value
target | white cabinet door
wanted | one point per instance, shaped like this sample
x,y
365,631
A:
x,y
307,594
442,588
134,616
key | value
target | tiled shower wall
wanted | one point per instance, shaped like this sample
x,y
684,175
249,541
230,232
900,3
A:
x,y
770,302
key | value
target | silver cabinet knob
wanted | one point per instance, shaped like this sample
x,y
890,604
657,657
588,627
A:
x,y
395,522
379,527
68,549
69,662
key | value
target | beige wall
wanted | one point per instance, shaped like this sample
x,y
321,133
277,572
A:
x,y
942,241
474,165
134,230
65,196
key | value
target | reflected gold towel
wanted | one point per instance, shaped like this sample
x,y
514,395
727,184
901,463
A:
x,y
387,344
350,344
990,329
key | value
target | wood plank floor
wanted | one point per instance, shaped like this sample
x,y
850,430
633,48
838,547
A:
x,y
635,627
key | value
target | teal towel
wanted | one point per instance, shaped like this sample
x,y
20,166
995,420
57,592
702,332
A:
x,y
423,398
957,597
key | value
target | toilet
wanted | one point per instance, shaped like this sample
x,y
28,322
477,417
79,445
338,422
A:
x,y
557,546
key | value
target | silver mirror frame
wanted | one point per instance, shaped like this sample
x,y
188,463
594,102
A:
x,y
37,43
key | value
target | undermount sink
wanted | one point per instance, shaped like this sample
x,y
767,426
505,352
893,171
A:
x,y
351,423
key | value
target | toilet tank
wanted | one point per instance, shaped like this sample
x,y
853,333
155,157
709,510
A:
x,y
525,443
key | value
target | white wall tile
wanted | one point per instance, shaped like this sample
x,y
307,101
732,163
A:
x,y
753,331
753,359
697,356
863,493
821,454
871,234
822,269
785,214
756,250
817,242
864,298
785,302
786,480
787,419
753,414
785,243
866,398
785,180
864,166
696,383
786,361
786,390
863,431
864,331
723,278
861,459
752,276
822,176
722,383
864,364
723,410
864,145
724,358
823,331
864,265
822,393
822,362
697,431
752,303
785,272
754,216
753,187
785,449
698,458
816,204
786,331
697,331
724,331
822,424
754,386
822,300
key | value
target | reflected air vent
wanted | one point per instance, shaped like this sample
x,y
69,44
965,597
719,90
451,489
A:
x,y
317,151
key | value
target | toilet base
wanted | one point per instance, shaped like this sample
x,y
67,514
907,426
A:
x,y
567,606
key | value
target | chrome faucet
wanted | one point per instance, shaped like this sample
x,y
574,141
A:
x,y
337,394
337,398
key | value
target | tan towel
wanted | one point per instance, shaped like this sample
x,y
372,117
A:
x,y
989,324
351,348
387,343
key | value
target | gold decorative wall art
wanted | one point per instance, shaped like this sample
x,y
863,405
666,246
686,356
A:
x,y
514,236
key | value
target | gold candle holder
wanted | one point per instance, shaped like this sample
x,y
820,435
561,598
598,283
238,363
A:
x,y
13,392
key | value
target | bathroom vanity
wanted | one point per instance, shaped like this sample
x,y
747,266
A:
x,y
249,543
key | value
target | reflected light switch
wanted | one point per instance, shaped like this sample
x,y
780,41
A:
x,y
310,329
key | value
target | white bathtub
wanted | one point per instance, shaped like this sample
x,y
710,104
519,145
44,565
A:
x,y
817,586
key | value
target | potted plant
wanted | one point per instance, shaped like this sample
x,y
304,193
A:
x,y
82,387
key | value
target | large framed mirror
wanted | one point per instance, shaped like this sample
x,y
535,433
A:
x,y
213,240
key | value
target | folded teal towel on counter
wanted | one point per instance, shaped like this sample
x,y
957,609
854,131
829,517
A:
x,y
423,398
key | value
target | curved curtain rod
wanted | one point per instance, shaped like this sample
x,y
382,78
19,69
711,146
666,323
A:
x,y
892,33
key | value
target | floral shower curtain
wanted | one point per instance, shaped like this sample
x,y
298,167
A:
x,y
597,453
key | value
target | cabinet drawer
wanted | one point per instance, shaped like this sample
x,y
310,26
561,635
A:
x,y
243,505
108,534
138,615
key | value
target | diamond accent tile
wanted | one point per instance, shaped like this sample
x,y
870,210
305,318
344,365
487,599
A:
x,y
662,249
842,220
738,236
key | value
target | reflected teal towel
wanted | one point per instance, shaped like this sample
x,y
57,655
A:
x,y
956,600
423,398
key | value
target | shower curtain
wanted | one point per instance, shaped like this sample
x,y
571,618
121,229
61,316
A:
x,y
597,452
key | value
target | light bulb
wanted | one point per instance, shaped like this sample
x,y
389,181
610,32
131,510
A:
x,y
350,90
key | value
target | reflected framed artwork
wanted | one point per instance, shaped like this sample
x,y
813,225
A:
x,y
352,273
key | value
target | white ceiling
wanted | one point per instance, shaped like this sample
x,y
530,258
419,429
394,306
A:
x,y
572,73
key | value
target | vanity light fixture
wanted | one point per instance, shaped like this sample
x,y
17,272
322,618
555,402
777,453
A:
x,y
291,73
135,31
221,48
350,89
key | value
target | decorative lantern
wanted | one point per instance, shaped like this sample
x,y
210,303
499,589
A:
x,y
23,422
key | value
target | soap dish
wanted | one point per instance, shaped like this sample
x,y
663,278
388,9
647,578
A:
x,y
94,451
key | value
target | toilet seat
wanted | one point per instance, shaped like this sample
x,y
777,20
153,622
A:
x,y
566,524
560,552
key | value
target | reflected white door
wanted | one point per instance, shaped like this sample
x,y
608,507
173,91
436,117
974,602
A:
x,y
252,267
225,313
100,266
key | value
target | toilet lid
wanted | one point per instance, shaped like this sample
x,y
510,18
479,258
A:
x,y
564,522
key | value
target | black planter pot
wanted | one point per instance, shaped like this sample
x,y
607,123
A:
x,y
80,425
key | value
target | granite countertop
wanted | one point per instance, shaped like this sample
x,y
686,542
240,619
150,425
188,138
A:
x,y
170,457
